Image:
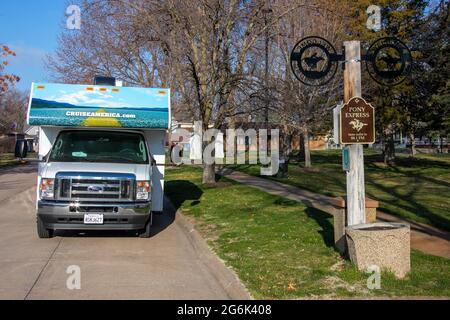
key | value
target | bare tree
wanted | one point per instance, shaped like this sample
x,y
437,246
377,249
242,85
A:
x,y
201,48
13,110
295,106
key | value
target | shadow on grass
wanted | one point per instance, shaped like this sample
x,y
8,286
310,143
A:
x,y
421,162
180,191
432,164
410,204
285,202
323,220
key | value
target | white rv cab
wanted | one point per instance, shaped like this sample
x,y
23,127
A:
x,y
102,152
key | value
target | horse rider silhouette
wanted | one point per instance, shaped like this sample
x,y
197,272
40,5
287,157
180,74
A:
x,y
312,61
390,61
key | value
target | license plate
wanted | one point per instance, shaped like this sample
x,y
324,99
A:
x,y
93,218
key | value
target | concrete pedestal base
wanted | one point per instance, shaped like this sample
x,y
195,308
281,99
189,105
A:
x,y
371,215
386,245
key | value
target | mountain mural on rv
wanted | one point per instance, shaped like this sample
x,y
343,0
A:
x,y
99,106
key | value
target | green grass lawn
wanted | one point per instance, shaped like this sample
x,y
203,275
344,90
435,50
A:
x,y
282,250
7,159
417,189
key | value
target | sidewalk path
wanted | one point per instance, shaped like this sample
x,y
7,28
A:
x,y
423,237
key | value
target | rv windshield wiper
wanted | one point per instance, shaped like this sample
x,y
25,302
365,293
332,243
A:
x,y
81,160
70,159
117,159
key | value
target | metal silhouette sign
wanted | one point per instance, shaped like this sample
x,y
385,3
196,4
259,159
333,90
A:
x,y
388,61
357,122
314,61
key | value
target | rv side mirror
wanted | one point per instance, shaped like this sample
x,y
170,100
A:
x,y
30,146
152,161
21,148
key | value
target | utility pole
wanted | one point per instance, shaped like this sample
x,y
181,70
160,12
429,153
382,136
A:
x,y
355,176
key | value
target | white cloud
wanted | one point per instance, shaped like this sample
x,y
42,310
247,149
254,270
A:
x,y
89,98
27,55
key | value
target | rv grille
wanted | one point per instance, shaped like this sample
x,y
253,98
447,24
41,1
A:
x,y
103,188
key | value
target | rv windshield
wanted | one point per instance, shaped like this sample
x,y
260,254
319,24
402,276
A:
x,y
99,146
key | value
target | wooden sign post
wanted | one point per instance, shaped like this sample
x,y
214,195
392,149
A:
x,y
355,176
357,126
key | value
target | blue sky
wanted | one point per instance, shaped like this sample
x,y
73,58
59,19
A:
x,y
30,28
126,97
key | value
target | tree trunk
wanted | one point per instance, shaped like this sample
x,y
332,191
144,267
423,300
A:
x,y
306,150
231,123
301,149
286,149
412,148
209,170
209,173
389,146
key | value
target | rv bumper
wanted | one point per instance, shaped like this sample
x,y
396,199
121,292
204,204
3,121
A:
x,y
116,216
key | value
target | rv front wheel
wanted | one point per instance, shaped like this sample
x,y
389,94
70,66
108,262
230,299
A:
x,y
42,231
145,233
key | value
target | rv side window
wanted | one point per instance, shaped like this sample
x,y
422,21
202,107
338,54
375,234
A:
x,y
99,146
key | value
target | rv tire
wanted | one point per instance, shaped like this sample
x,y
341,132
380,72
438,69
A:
x,y
42,231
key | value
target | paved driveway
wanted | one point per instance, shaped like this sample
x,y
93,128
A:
x,y
169,265
14,180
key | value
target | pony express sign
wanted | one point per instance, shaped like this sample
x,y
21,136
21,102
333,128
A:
x,y
357,122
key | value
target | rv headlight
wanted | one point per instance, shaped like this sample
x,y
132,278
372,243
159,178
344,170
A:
x,y
47,188
142,190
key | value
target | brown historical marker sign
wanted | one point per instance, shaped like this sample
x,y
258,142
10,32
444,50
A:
x,y
357,122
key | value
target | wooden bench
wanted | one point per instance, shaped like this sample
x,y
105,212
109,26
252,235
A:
x,y
371,207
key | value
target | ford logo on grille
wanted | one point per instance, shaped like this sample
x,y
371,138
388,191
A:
x,y
95,188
